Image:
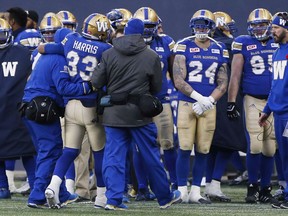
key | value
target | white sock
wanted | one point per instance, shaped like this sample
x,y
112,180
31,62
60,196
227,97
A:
x,y
10,177
55,186
70,184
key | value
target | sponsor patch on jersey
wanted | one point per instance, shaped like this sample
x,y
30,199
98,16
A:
x,y
171,45
274,45
251,47
236,46
225,53
159,49
179,48
196,49
217,51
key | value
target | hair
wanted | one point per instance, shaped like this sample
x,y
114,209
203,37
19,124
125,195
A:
x,y
19,15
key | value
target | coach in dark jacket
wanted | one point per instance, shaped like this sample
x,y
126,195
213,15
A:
x,y
129,70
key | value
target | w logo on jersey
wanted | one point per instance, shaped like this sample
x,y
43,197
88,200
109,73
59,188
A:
x,y
9,68
102,26
279,69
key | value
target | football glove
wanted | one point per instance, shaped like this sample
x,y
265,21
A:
x,y
232,111
197,108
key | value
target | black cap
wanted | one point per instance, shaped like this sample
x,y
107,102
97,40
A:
x,y
33,15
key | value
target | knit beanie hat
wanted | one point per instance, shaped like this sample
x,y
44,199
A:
x,y
134,26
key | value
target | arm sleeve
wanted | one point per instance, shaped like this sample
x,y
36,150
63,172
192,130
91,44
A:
x,y
53,48
63,83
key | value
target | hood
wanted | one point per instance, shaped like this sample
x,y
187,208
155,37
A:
x,y
129,44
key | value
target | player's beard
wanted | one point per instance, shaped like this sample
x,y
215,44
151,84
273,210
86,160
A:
x,y
280,38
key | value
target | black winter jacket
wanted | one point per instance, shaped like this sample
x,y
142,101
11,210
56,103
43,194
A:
x,y
131,67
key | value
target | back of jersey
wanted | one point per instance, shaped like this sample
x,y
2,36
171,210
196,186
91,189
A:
x,y
82,57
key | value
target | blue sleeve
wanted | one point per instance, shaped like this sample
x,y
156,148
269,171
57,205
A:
x,y
267,109
63,83
53,48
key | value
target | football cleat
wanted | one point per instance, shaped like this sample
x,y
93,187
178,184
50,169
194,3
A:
x,y
279,193
213,192
195,196
100,200
72,198
24,189
5,193
120,207
175,199
265,195
145,195
252,193
51,201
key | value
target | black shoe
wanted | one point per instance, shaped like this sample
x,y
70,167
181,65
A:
x,y
83,200
279,193
284,204
265,196
144,195
252,193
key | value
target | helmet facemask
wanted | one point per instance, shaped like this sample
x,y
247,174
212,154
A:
x,y
202,28
5,38
259,30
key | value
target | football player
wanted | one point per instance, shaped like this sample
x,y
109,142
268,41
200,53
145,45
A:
x,y
82,52
49,80
229,135
251,69
118,17
163,45
200,75
68,20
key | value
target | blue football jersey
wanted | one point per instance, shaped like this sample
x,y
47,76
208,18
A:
x,y
163,45
202,65
82,56
257,70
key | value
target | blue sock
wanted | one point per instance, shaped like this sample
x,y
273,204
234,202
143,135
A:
x,y
211,157
267,165
183,167
221,161
170,157
3,177
64,162
237,162
10,164
140,172
279,168
70,174
253,167
98,161
199,168
29,164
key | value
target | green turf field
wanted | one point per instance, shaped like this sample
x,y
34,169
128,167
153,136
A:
x,y
17,206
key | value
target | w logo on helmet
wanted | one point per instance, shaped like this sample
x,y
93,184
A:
x,y
102,26
220,21
282,22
